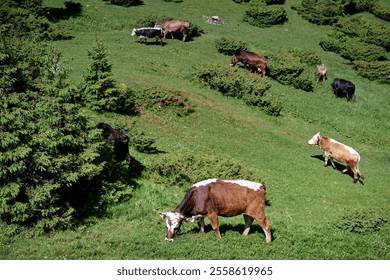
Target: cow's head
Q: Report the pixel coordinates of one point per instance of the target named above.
(315, 139)
(173, 222)
(133, 32)
(234, 60)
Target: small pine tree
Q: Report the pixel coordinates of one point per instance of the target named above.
(100, 89)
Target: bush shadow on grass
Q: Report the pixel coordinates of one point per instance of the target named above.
(340, 167)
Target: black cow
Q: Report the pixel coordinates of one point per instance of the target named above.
(148, 32)
(344, 88)
(119, 139)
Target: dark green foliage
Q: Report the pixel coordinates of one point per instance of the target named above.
(241, 1)
(370, 32)
(231, 82)
(358, 6)
(362, 220)
(51, 168)
(125, 3)
(352, 48)
(321, 11)
(381, 12)
(230, 45)
(374, 70)
(265, 16)
(184, 169)
(159, 97)
(143, 143)
(288, 67)
(23, 24)
(100, 89)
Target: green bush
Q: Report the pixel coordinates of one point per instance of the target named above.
(157, 97)
(381, 12)
(361, 220)
(185, 169)
(352, 48)
(321, 12)
(374, 70)
(233, 83)
(230, 45)
(358, 6)
(288, 67)
(265, 16)
(369, 31)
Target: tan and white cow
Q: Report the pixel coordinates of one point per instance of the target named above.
(340, 152)
(321, 72)
(220, 197)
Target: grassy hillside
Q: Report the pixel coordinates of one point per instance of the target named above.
(316, 212)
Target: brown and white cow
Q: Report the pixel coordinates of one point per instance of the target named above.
(251, 58)
(172, 26)
(340, 152)
(220, 197)
(321, 72)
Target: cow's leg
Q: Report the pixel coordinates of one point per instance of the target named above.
(355, 172)
(248, 224)
(201, 225)
(184, 36)
(326, 159)
(213, 217)
(331, 161)
(266, 226)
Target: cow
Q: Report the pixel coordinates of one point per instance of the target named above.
(321, 72)
(148, 32)
(251, 58)
(220, 197)
(119, 139)
(172, 26)
(340, 152)
(343, 88)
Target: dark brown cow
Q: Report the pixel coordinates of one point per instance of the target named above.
(119, 139)
(251, 58)
(172, 26)
(340, 152)
(220, 197)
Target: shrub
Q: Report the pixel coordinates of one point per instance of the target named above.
(156, 97)
(321, 12)
(184, 169)
(381, 12)
(265, 16)
(352, 48)
(374, 70)
(230, 45)
(288, 67)
(361, 220)
(358, 6)
(370, 32)
(239, 85)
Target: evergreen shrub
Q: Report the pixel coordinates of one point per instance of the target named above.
(230, 45)
(373, 70)
(125, 3)
(265, 16)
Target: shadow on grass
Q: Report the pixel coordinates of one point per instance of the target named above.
(340, 167)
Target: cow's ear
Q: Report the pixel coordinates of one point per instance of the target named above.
(163, 215)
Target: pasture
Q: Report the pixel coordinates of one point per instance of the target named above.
(316, 212)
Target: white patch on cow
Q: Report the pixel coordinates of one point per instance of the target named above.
(172, 220)
(245, 183)
(204, 183)
(314, 139)
(348, 148)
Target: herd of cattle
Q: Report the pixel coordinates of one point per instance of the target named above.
(222, 197)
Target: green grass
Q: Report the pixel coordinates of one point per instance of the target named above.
(306, 200)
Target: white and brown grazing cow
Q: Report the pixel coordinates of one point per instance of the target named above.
(172, 26)
(220, 197)
(340, 152)
(321, 72)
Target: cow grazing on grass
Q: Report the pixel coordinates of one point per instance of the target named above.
(251, 58)
(119, 139)
(219, 197)
(340, 152)
(344, 88)
(148, 32)
(173, 26)
(321, 72)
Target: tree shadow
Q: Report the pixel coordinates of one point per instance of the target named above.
(71, 9)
